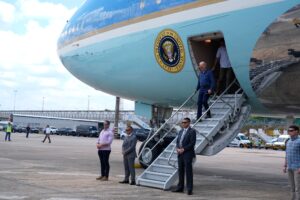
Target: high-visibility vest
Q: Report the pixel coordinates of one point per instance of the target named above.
(9, 128)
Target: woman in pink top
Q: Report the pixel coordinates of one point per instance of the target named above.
(104, 148)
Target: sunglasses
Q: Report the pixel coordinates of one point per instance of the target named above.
(291, 130)
(184, 122)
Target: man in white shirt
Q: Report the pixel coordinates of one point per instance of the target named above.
(226, 72)
(47, 134)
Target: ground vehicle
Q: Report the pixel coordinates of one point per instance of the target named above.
(269, 145)
(53, 129)
(140, 133)
(280, 143)
(241, 141)
(34, 130)
(20, 129)
(65, 131)
(3, 125)
(87, 131)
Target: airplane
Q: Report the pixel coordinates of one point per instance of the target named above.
(148, 51)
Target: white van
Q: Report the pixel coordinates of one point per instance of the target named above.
(281, 141)
(241, 141)
(3, 125)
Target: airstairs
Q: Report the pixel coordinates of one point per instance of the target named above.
(229, 113)
(261, 134)
(137, 121)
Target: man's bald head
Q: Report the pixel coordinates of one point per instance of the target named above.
(202, 65)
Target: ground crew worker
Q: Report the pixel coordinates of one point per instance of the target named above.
(8, 131)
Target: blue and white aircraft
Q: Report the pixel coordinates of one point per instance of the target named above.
(148, 50)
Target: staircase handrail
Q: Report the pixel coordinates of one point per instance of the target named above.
(164, 124)
(215, 101)
(198, 120)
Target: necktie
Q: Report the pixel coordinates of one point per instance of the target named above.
(182, 136)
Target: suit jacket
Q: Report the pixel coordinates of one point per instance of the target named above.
(188, 143)
(129, 144)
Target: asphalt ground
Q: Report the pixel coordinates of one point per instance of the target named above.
(66, 170)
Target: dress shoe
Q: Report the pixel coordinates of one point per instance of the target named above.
(124, 182)
(177, 190)
(99, 178)
(132, 183)
(208, 115)
(104, 178)
(189, 193)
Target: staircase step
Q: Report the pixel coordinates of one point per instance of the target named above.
(164, 161)
(167, 154)
(151, 183)
(228, 100)
(232, 95)
(221, 104)
(156, 176)
(201, 125)
(167, 169)
(219, 110)
(203, 132)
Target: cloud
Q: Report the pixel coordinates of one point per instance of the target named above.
(46, 10)
(30, 65)
(7, 12)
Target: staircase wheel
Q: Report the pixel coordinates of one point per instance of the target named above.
(148, 155)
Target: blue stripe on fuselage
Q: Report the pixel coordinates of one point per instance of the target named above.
(97, 14)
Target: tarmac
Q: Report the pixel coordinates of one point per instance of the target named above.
(66, 170)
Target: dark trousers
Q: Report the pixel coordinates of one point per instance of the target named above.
(104, 162)
(47, 136)
(7, 136)
(226, 74)
(129, 167)
(27, 134)
(185, 162)
(202, 101)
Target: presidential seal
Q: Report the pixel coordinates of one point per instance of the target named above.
(169, 51)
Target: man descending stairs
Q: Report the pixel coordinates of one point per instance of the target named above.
(213, 134)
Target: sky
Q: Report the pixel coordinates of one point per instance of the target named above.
(31, 74)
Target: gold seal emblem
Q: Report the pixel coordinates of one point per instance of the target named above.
(169, 51)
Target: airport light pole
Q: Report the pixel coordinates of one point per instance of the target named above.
(117, 115)
(88, 107)
(43, 103)
(15, 95)
(88, 103)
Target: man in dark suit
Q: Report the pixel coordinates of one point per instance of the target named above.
(129, 154)
(185, 144)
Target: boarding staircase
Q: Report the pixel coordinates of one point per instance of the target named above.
(261, 134)
(229, 113)
(137, 121)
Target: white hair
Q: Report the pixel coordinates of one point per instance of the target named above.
(202, 63)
